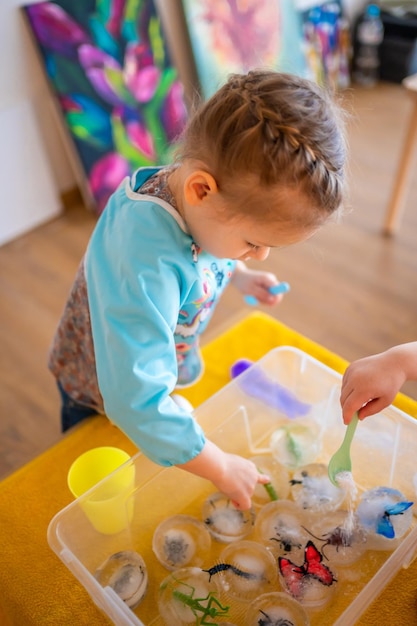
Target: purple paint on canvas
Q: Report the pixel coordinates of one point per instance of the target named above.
(56, 30)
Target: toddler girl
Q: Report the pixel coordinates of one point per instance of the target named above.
(260, 166)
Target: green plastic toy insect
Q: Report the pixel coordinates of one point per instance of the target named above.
(269, 488)
(212, 609)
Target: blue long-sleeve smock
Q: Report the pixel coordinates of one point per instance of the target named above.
(150, 292)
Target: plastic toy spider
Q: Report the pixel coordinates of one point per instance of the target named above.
(269, 622)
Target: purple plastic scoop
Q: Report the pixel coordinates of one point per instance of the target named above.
(256, 384)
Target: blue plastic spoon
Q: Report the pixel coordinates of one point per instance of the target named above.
(274, 290)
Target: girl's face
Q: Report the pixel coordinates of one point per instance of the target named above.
(243, 237)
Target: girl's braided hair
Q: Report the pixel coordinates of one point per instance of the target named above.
(283, 129)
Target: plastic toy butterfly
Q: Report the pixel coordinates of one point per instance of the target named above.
(384, 525)
(295, 575)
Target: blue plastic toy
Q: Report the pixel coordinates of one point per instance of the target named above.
(274, 290)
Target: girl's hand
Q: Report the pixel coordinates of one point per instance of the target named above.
(256, 283)
(231, 474)
(239, 480)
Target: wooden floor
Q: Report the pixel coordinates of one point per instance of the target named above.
(352, 289)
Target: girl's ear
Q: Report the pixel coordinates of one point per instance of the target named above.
(198, 186)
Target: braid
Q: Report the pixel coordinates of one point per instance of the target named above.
(282, 128)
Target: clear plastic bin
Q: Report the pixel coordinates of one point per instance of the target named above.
(240, 418)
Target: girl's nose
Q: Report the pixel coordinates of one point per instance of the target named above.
(260, 254)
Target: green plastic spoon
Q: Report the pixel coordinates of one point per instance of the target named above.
(340, 461)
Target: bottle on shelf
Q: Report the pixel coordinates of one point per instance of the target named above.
(367, 40)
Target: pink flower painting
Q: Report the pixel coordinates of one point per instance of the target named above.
(120, 96)
(236, 35)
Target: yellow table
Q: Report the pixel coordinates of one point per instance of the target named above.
(36, 587)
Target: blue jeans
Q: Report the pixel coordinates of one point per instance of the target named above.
(72, 412)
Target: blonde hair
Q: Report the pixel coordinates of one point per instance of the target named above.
(283, 129)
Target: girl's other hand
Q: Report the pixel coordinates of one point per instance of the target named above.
(371, 384)
(256, 284)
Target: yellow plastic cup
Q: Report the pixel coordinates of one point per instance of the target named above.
(109, 507)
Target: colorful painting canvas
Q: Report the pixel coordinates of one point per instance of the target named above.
(120, 96)
(237, 35)
(327, 44)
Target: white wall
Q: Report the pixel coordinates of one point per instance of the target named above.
(34, 167)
